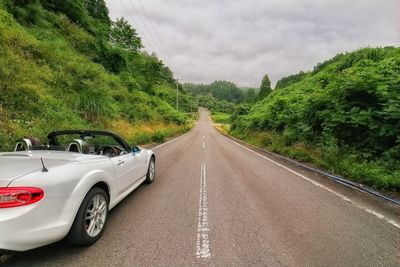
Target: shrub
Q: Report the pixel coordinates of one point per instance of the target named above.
(159, 137)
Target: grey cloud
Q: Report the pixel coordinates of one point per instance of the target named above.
(242, 40)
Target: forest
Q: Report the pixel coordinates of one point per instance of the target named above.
(221, 96)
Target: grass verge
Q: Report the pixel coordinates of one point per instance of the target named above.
(222, 118)
(376, 174)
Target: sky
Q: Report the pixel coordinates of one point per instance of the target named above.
(241, 40)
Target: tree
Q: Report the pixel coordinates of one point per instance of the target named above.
(225, 90)
(123, 35)
(98, 10)
(291, 79)
(250, 95)
(222, 90)
(75, 10)
(265, 88)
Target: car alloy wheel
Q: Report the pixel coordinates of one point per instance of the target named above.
(91, 218)
(152, 170)
(96, 215)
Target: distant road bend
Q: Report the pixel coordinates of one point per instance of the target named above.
(218, 203)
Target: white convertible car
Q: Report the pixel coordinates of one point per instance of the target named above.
(66, 187)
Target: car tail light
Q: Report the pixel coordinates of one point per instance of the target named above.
(19, 196)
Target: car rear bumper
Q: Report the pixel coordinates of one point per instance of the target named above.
(36, 225)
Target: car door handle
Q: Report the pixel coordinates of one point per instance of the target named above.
(121, 162)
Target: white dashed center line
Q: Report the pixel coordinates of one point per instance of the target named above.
(203, 242)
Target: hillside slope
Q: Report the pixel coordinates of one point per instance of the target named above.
(59, 70)
(344, 116)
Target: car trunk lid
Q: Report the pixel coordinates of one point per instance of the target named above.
(15, 165)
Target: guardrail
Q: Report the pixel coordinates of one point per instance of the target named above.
(335, 178)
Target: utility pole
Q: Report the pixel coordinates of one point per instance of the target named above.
(177, 94)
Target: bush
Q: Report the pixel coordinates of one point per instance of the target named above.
(159, 137)
(221, 117)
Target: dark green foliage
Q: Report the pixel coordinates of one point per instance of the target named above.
(221, 96)
(265, 88)
(75, 10)
(159, 137)
(27, 12)
(348, 108)
(215, 105)
(123, 35)
(286, 81)
(92, 15)
(113, 59)
(225, 90)
(97, 9)
(240, 110)
(222, 90)
(250, 94)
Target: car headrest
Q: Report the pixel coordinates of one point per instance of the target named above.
(74, 147)
(27, 144)
(24, 145)
(79, 146)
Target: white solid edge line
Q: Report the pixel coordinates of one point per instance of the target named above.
(377, 214)
(174, 139)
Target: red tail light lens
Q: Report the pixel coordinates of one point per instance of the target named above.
(19, 196)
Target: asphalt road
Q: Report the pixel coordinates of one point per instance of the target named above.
(217, 203)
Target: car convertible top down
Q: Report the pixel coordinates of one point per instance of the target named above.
(65, 187)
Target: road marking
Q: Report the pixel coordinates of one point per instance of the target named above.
(203, 243)
(354, 203)
(204, 145)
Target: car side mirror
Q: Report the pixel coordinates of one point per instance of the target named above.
(135, 149)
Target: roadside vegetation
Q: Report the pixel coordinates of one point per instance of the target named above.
(222, 118)
(66, 65)
(343, 116)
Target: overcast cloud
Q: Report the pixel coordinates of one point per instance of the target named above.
(241, 40)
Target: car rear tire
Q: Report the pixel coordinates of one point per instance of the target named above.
(91, 218)
(151, 171)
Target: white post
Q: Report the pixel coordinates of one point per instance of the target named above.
(177, 94)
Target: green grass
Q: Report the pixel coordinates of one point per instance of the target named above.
(219, 117)
(158, 136)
